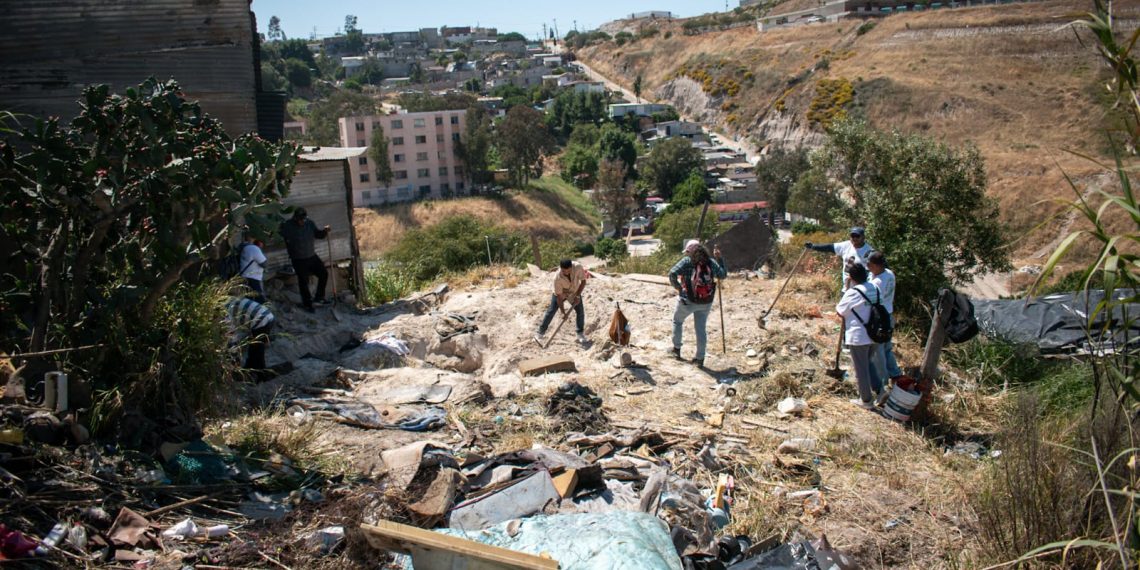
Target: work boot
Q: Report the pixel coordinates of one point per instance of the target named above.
(676, 353)
(308, 308)
(322, 302)
(700, 362)
(865, 405)
(538, 335)
(582, 339)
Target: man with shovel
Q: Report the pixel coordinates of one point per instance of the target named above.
(300, 235)
(569, 282)
(694, 277)
(854, 250)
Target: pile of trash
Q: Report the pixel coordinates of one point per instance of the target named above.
(613, 501)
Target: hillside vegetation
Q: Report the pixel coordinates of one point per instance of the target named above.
(1012, 79)
(549, 209)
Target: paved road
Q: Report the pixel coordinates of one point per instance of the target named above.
(643, 247)
(723, 139)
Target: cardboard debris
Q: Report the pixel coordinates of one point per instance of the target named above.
(566, 483)
(438, 498)
(404, 462)
(526, 497)
(537, 366)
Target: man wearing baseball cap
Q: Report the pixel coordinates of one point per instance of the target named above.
(854, 250)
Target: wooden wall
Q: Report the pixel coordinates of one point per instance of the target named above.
(51, 49)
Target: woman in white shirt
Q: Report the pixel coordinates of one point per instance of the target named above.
(855, 309)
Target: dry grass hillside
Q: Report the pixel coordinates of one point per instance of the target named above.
(1012, 79)
(549, 209)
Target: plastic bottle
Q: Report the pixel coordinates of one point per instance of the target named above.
(57, 533)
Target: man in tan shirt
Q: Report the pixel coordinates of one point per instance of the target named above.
(569, 282)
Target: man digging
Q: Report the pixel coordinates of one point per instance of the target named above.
(569, 282)
(694, 277)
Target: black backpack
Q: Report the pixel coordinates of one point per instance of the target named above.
(230, 265)
(878, 325)
(961, 325)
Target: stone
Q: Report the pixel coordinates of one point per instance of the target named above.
(537, 366)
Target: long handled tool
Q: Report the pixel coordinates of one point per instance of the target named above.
(332, 277)
(837, 372)
(565, 316)
(762, 321)
(720, 302)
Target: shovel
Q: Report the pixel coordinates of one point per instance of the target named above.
(332, 278)
(762, 321)
(837, 372)
(565, 315)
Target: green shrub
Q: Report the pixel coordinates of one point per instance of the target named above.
(802, 227)
(386, 282)
(674, 228)
(657, 264)
(865, 27)
(611, 249)
(554, 251)
(456, 243)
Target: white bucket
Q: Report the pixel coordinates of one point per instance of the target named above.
(901, 404)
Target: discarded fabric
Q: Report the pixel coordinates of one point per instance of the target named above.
(615, 540)
(390, 342)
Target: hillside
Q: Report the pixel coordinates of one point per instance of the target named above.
(549, 209)
(1012, 79)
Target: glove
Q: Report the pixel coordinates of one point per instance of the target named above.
(807, 245)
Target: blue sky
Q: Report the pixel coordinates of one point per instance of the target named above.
(300, 18)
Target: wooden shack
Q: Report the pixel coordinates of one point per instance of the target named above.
(323, 186)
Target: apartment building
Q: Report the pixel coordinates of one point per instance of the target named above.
(421, 151)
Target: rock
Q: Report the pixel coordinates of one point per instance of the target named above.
(751, 353)
(505, 385)
(463, 353)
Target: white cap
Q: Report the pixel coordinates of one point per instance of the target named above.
(691, 246)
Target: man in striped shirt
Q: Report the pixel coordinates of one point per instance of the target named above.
(244, 315)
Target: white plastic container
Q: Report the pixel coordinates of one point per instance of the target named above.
(901, 403)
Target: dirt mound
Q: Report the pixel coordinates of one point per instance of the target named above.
(577, 408)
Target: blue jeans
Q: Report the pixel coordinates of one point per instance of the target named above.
(885, 361)
(700, 315)
(579, 317)
(255, 286)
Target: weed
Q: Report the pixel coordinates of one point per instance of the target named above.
(385, 282)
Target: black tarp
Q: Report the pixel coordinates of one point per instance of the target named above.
(1060, 323)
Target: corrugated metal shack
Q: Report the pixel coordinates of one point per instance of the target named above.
(322, 185)
(51, 49)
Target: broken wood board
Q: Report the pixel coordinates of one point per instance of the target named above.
(433, 550)
(538, 366)
(755, 423)
(643, 278)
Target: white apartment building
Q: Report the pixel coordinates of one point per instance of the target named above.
(421, 151)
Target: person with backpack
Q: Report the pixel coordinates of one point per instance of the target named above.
(852, 252)
(253, 266)
(861, 308)
(884, 279)
(569, 282)
(300, 235)
(694, 277)
(248, 317)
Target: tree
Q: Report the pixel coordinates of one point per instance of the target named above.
(370, 72)
(354, 37)
(924, 205)
(669, 163)
(614, 144)
(297, 49)
(570, 109)
(523, 140)
(584, 134)
(275, 34)
(674, 228)
(271, 79)
(614, 196)
(637, 84)
(474, 146)
(776, 175)
(378, 154)
(111, 212)
(691, 192)
(324, 114)
(579, 165)
(298, 74)
(814, 196)
(416, 73)
(512, 37)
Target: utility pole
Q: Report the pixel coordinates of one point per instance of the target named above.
(544, 33)
(556, 28)
(575, 25)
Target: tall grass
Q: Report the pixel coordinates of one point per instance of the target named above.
(385, 282)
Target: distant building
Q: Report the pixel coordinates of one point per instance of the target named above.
(653, 14)
(639, 109)
(421, 152)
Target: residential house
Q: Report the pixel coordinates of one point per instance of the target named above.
(421, 153)
(587, 87)
(639, 109)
